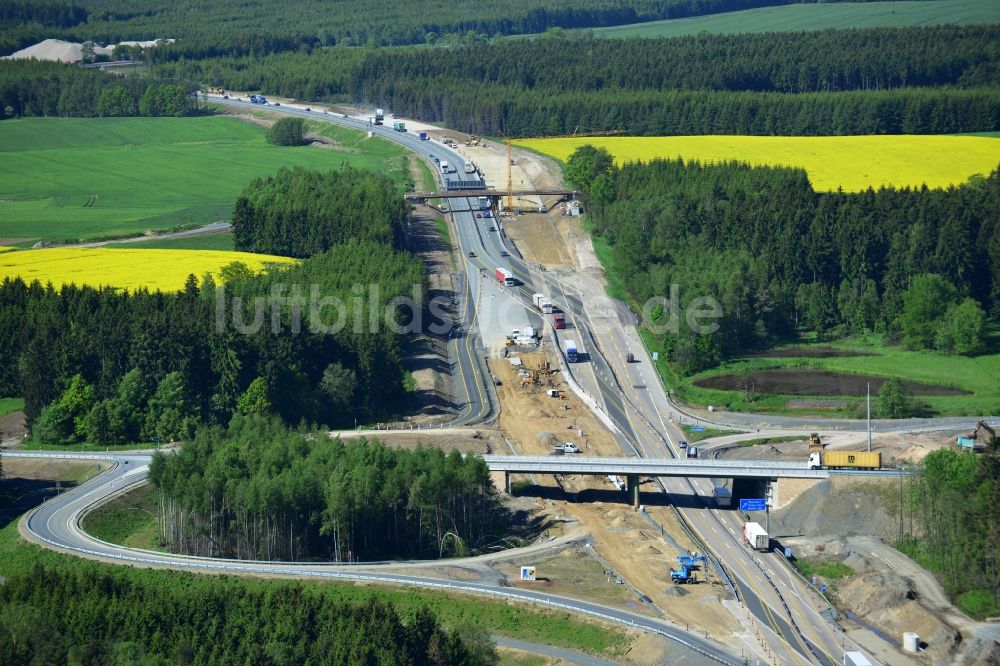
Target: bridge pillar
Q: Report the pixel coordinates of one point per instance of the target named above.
(506, 482)
(632, 488)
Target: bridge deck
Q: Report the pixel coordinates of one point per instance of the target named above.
(747, 469)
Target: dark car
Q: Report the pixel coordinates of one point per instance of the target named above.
(472, 253)
(504, 253)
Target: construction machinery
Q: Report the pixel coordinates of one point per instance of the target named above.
(510, 155)
(689, 565)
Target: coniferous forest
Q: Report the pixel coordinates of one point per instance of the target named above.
(260, 491)
(89, 616)
(780, 257)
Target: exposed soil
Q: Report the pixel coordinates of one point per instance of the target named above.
(12, 428)
(811, 352)
(629, 544)
(15, 241)
(808, 381)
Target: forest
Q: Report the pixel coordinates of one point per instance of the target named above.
(953, 499)
(94, 617)
(299, 213)
(879, 81)
(260, 491)
(781, 258)
(339, 22)
(37, 88)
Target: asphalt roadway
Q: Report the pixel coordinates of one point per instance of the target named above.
(56, 523)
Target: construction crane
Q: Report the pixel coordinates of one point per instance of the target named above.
(510, 153)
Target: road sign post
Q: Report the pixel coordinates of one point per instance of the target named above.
(753, 504)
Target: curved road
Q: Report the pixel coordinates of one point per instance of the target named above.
(56, 523)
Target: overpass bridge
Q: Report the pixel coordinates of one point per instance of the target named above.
(633, 468)
(422, 197)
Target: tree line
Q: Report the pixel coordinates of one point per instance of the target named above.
(106, 366)
(299, 213)
(261, 491)
(347, 24)
(780, 258)
(93, 616)
(37, 88)
(877, 81)
(953, 498)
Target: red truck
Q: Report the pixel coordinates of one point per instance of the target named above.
(504, 276)
(558, 320)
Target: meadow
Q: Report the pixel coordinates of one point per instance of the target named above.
(975, 374)
(71, 179)
(853, 163)
(128, 269)
(818, 16)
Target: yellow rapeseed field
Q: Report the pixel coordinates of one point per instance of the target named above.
(128, 269)
(853, 163)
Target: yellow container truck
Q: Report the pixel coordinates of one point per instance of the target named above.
(845, 459)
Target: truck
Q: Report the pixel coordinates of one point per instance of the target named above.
(558, 320)
(571, 353)
(398, 126)
(422, 136)
(567, 447)
(755, 535)
(692, 452)
(484, 203)
(845, 459)
(379, 117)
(444, 167)
(856, 659)
(258, 99)
(469, 167)
(542, 303)
(723, 497)
(504, 276)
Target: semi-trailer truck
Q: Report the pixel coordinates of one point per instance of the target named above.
(571, 353)
(755, 535)
(504, 276)
(258, 99)
(379, 116)
(422, 136)
(542, 303)
(484, 203)
(845, 459)
(399, 126)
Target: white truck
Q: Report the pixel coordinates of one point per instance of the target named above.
(567, 447)
(756, 537)
(469, 167)
(444, 167)
(856, 659)
(542, 302)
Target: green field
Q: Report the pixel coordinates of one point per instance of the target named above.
(68, 178)
(980, 375)
(819, 16)
(223, 241)
(8, 405)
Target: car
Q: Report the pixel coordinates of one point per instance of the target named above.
(472, 253)
(436, 160)
(225, 97)
(630, 357)
(504, 253)
(493, 228)
(479, 215)
(308, 109)
(324, 110)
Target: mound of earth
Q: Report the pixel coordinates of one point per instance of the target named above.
(813, 381)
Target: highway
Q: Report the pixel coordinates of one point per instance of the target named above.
(631, 396)
(57, 524)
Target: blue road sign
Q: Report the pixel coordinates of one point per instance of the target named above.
(753, 504)
(697, 428)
